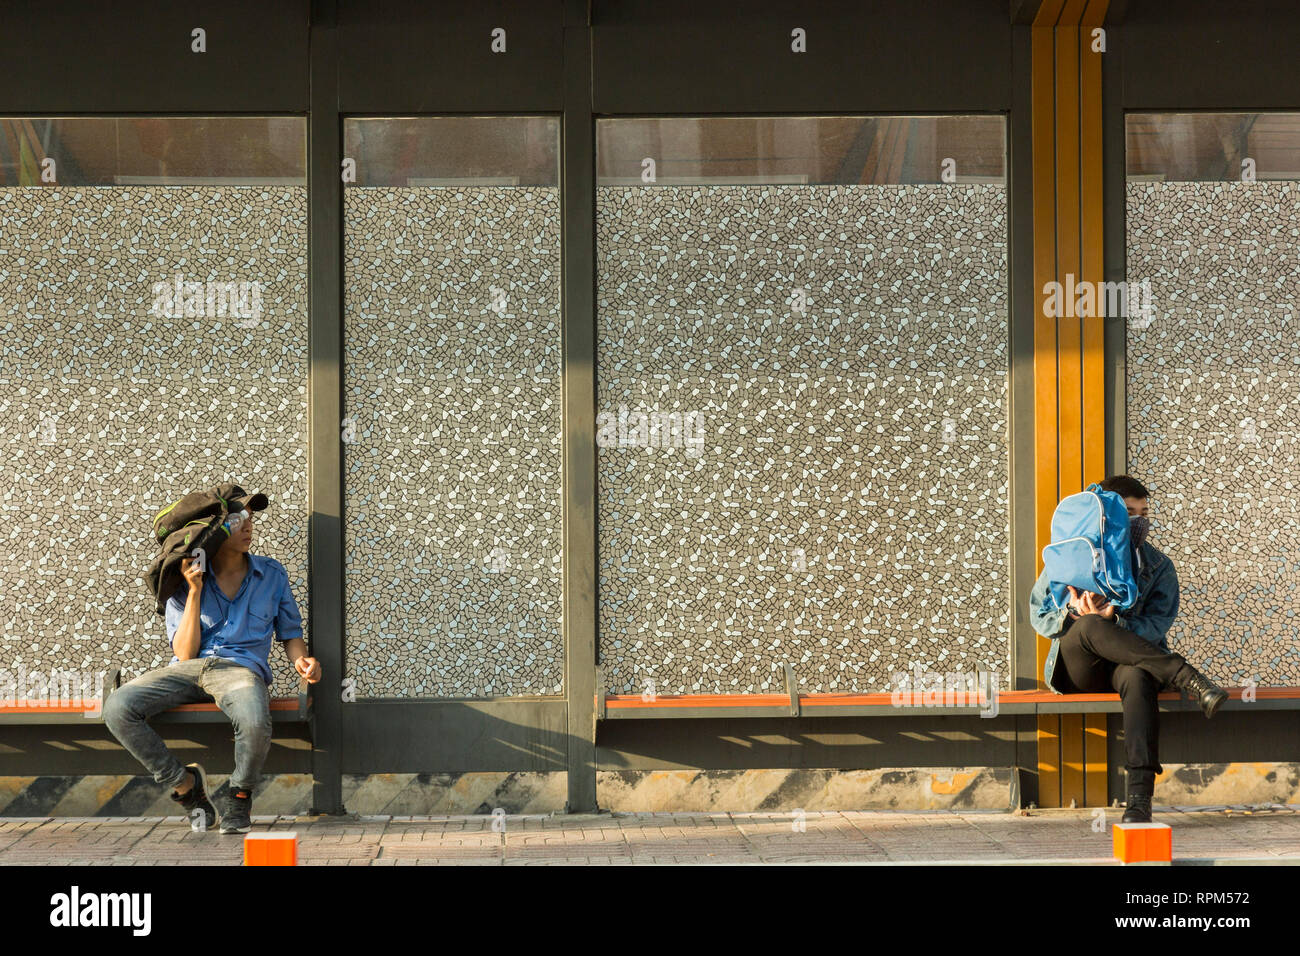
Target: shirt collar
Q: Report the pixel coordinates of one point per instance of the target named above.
(256, 565)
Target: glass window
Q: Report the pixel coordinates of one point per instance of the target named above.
(1213, 229)
(452, 438)
(801, 401)
(153, 342)
(154, 150)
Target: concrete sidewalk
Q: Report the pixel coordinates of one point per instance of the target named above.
(1261, 835)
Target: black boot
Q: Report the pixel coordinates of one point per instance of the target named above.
(1139, 788)
(1139, 808)
(1201, 689)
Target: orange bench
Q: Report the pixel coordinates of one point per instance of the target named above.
(18, 711)
(792, 703)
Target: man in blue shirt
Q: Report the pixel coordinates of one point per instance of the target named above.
(1098, 650)
(220, 625)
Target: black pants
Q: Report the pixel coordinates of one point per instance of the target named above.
(1098, 656)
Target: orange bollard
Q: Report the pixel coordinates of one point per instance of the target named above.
(271, 849)
(1144, 843)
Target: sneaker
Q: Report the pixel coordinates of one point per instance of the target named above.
(197, 798)
(236, 819)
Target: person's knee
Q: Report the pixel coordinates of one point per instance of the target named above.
(1077, 633)
(251, 718)
(1089, 624)
(118, 711)
(1091, 631)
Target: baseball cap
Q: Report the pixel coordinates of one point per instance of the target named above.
(237, 498)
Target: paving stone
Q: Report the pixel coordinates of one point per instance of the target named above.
(700, 839)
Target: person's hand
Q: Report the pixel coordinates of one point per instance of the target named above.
(1094, 603)
(193, 574)
(1090, 602)
(309, 668)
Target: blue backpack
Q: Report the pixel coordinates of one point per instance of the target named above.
(1090, 548)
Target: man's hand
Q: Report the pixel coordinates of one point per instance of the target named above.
(193, 575)
(309, 668)
(1090, 602)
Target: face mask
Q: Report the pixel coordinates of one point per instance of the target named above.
(1137, 530)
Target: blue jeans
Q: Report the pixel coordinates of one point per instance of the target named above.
(241, 694)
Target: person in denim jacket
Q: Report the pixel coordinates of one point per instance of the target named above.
(1096, 649)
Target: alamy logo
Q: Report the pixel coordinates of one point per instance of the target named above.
(103, 909)
(56, 689)
(181, 299)
(926, 688)
(1084, 300)
(651, 429)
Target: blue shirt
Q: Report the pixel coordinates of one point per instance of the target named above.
(240, 629)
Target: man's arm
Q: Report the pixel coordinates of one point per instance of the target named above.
(184, 628)
(288, 620)
(295, 648)
(1159, 611)
(288, 630)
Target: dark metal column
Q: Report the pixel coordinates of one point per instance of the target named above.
(578, 194)
(325, 398)
(1020, 268)
(1114, 200)
(1114, 181)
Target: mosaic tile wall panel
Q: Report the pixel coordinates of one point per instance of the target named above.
(452, 441)
(1213, 402)
(840, 501)
(109, 409)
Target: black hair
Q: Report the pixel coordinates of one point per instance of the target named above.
(1125, 487)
